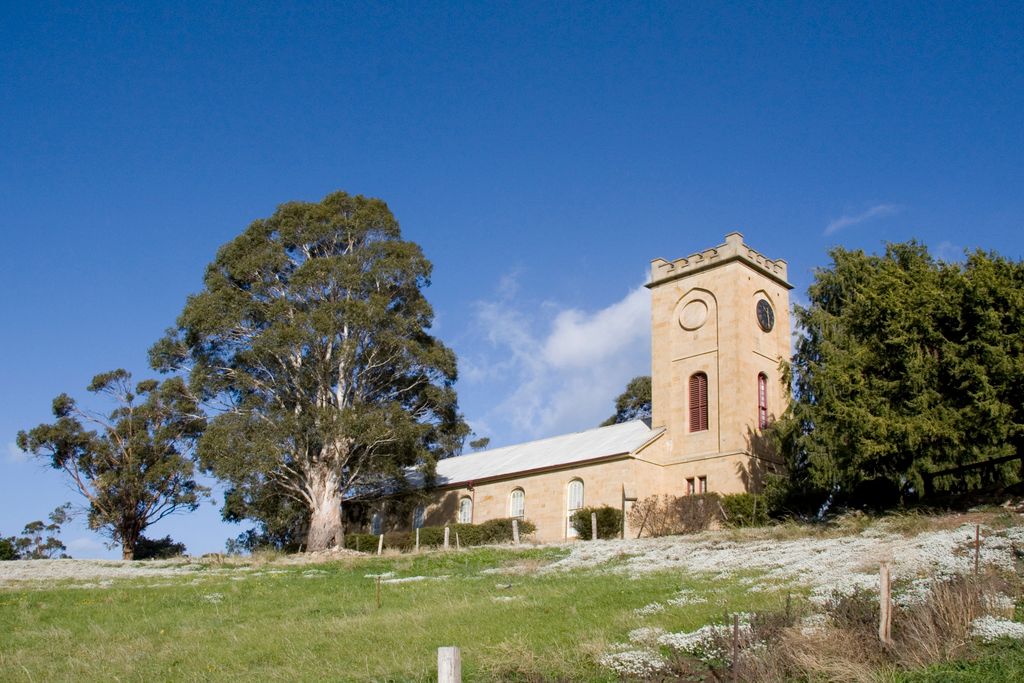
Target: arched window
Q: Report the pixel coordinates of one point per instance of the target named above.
(698, 402)
(517, 504)
(466, 510)
(417, 517)
(376, 522)
(762, 400)
(574, 501)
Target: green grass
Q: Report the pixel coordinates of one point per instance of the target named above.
(999, 662)
(305, 625)
(273, 620)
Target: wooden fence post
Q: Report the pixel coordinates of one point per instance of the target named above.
(977, 547)
(380, 544)
(884, 604)
(458, 544)
(447, 533)
(593, 526)
(515, 531)
(417, 539)
(449, 665)
(378, 592)
(735, 646)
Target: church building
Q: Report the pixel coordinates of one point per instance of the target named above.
(719, 330)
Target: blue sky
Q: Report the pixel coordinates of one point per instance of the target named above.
(541, 153)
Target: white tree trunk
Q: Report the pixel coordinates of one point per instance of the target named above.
(325, 515)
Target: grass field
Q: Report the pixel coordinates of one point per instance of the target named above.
(277, 619)
(321, 622)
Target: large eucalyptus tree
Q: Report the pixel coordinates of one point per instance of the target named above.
(311, 343)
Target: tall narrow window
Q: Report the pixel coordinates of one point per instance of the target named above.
(574, 501)
(698, 402)
(376, 522)
(762, 400)
(702, 484)
(691, 486)
(466, 510)
(517, 504)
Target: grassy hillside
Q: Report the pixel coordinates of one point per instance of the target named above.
(321, 621)
(279, 620)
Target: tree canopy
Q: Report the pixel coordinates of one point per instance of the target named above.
(634, 403)
(136, 467)
(38, 540)
(905, 366)
(311, 339)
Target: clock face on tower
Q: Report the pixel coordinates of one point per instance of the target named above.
(765, 315)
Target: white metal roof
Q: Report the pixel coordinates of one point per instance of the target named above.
(557, 450)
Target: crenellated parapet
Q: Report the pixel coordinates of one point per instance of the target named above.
(733, 249)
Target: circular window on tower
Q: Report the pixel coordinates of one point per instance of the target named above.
(693, 315)
(765, 315)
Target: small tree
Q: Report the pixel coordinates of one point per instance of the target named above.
(664, 515)
(634, 403)
(38, 540)
(480, 444)
(158, 548)
(609, 522)
(135, 468)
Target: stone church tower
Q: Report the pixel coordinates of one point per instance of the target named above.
(720, 328)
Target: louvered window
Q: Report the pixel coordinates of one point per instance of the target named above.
(698, 402)
(762, 400)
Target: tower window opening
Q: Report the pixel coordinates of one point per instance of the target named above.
(762, 401)
(698, 402)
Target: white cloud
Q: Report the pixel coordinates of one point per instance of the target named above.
(949, 252)
(580, 339)
(564, 377)
(15, 454)
(84, 546)
(876, 211)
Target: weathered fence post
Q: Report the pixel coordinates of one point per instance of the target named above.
(447, 533)
(417, 540)
(593, 526)
(380, 544)
(449, 665)
(735, 646)
(378, 592)
(977, 547)
(884, 604)
(458, 544)
(515, 531)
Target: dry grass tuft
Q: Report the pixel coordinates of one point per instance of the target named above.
(843, 645)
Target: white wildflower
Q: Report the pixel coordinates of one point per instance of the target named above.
(813, 624)
(652, 608)
(646, 635)
(405, 579)
(990, 628)
(999, 602)
(633, 662)
(214, 598)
